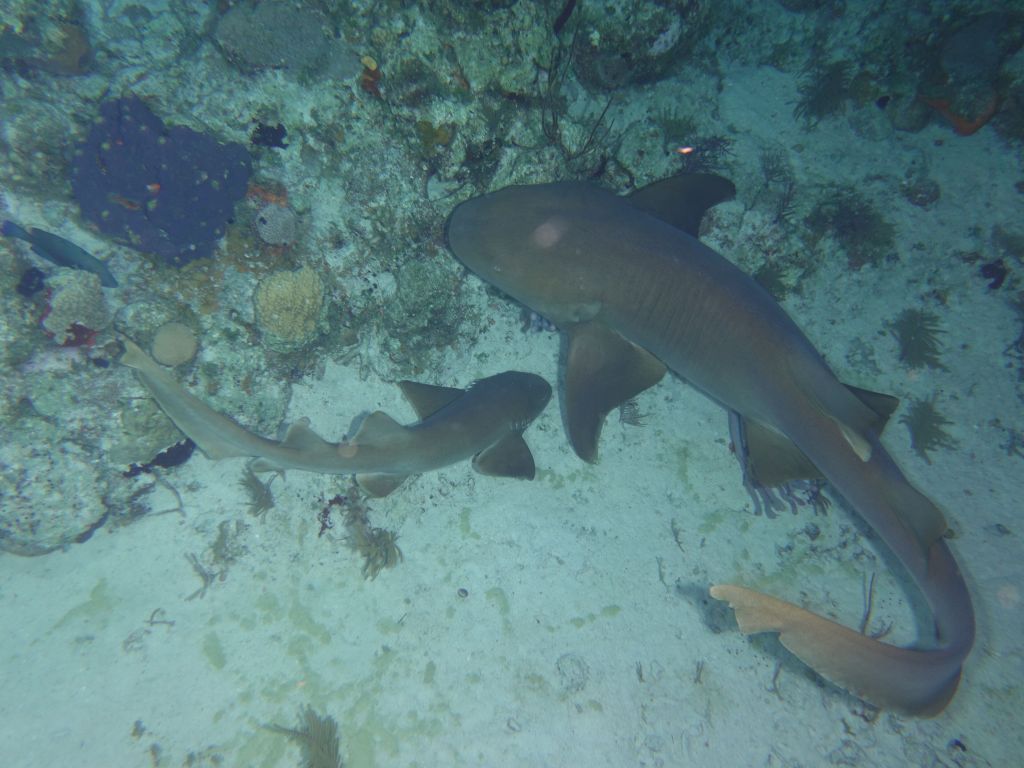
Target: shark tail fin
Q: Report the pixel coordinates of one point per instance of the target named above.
(918, 682)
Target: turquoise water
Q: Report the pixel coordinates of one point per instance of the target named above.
(273, 215)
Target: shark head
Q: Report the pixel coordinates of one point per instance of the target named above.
(525, 240)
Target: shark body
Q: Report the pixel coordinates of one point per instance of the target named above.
(484, 422)
(635, 290)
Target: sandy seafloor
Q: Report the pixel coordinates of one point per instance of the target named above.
(586, 637)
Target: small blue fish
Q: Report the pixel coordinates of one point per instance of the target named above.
(61, 252)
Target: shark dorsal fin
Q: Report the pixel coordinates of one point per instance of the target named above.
(300, 437)
(427, 399)
(682, 200)
(378, 429)
(509, 457)
(602, 371)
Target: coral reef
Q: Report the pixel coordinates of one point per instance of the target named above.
(76, 307)
(966, 83)
(427, 313)
(619, 44)
(295, 37)
(290, 308)
(917, 333)
(166, 190)
(927, 428)
(276, 224)
(174, 344)
(52, 37)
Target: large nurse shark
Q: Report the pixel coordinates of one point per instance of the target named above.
(626, 278)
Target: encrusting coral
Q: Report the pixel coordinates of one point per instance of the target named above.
(76, 305)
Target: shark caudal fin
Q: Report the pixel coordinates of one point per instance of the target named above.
(916, 682)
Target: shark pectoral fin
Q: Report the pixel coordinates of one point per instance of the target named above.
(427, 399)
(602, 371)
(379, 484)
(772, 458)
(509, 457)
(918, 682)
(682, 200)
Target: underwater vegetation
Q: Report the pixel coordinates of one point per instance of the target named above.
(261, 499)
(823, 92)
(854, 223)
(675, 128)
(771, 276)
(779, 184)
(707, 153)
(378, 546)
(917, 333)
(317, 736)
(927, 428)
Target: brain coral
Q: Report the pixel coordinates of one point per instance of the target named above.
(290, 308)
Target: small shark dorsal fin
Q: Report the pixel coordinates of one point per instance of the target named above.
(378, 428)
(379, 484)
(427, 399)
(602, 371)
(301, 438)
(682, 200)
(509, 457)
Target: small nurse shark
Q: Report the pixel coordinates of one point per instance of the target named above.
(485, 422)
(627, 280)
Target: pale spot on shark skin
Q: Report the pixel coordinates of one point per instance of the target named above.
(549, 233)
(1008, 596)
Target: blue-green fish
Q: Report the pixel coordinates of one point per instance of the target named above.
(61, 252)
